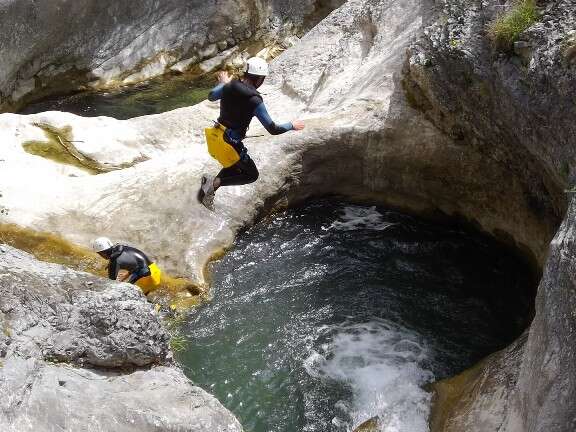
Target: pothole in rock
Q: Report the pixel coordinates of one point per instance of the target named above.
(330, 314)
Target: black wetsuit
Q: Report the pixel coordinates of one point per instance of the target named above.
(240, 102)
(131, 259)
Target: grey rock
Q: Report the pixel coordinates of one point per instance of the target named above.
(209, 52)
(108, 326)
(545, 395)
(93, 357)
(519, 112)
(101, 42)
(51, 398)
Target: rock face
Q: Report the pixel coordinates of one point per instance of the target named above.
(59, 45)
(544, 399)
(514, 110)
(82, 353)
(517, 108)
(342, 103)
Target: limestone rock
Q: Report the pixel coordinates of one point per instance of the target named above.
(53, 320)
(110, 326)
(60, 397)
(126, 204)
(545, 396)
(56, 46)
(448, 129)
(478, 398)
(363, 140)
(520, 111)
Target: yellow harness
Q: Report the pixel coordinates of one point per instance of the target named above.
(218, 148)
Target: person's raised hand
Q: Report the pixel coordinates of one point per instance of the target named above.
(223, 77)
(298, 125)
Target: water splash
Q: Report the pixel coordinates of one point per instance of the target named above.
(357, 218)
(382, 363)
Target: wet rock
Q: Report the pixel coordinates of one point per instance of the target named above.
(448, 129)
(544, 396)
(518, 110)
(66, 348)
(399, 157)
(342, 102)
(477, 399)
(370, 425)
(101, 43)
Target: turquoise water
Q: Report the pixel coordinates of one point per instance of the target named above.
(332, 313)
(151, 97)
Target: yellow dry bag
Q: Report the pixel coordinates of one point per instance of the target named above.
(220, 149)
(150, 283)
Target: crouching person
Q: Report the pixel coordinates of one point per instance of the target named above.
(128, 264)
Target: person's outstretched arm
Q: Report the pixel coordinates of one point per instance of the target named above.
(218, 91)
(274, 129)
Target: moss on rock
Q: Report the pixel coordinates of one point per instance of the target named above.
(506, 29)
(179, 293)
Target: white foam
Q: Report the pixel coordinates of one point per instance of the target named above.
(356, 217)
(381, 363)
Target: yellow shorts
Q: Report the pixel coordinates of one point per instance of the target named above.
(220, 149)
(150, 283)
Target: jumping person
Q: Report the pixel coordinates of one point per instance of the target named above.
(239, 103)
(128, 264)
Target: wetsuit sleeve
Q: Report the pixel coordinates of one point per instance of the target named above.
(216, 93)
(113, 269)
(274, 129)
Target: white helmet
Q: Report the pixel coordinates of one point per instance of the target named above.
(257, 66)
(101, 244)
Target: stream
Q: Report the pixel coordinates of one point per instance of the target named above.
(329, 314)
(154, 96)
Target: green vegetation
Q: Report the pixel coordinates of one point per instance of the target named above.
(178, 343)
(505, 29)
